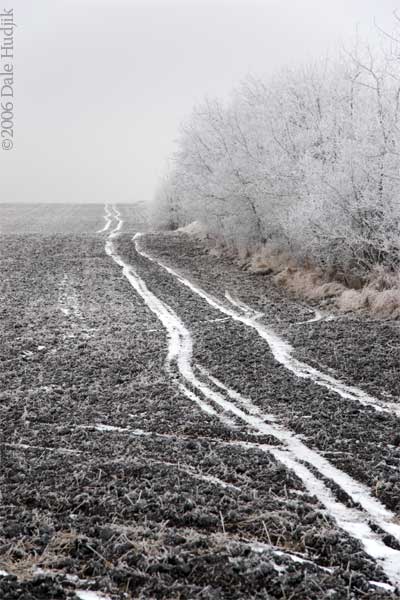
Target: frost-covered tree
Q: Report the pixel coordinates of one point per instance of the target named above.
(308, 160)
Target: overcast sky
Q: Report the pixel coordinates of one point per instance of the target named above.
(102, 85)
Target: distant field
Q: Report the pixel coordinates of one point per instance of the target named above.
(51, 218)
(64, 218)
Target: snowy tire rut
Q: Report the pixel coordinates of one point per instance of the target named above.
(368, 520)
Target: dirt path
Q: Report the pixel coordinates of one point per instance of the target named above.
(362, 524)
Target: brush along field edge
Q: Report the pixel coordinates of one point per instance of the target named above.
(292, 453)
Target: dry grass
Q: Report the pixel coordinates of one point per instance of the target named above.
(309, 284)
(304, 281)
(60, 544)
(380, 295)
(268, 259)
(382, 303)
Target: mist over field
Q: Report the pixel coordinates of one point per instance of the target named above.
(101, 87)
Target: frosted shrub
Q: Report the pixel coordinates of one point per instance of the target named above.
(307, 162)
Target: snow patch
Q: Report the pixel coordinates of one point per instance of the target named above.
(318, 316)
(259, 547)
(384, 586)
(103, 427)
(194, 228)
(88, 595)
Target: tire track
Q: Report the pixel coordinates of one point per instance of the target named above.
(108, 219)
(290, 450)
(281, 350)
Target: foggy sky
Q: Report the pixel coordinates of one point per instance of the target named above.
(102, 85)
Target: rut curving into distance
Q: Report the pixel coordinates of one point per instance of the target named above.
(108, 219)
(281, 350)
(290, 450)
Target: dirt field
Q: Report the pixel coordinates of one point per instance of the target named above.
(172, 427)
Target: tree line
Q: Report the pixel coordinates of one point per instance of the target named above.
(307, 161)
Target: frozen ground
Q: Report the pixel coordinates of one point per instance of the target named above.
(174, 428)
